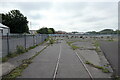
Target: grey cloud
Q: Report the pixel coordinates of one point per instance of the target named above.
(93, 19)
(34, 5)
(37, 16)
(73, 6)
(78, 12)
(29, 6)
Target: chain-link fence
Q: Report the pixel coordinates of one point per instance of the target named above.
(11, 41)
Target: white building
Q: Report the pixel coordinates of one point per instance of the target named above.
(33, 31)
(4, 29)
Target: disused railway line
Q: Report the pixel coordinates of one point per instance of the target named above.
(80, 61)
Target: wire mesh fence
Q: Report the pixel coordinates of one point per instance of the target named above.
(11, 41)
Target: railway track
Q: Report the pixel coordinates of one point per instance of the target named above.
(91, 77)
(57, 65)
(80, 60)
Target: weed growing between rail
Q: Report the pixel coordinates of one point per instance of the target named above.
(72, 46)
(97, 46)
(105, 70)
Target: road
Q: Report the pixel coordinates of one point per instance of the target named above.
(56, 61)
(110, 50)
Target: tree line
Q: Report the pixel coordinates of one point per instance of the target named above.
(105, 31)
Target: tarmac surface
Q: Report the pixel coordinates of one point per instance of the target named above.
(110, 50)
(60, 61)
(44, 65)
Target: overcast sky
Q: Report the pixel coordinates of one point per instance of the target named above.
(67, 16)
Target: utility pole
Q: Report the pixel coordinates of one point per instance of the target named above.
(30, 24)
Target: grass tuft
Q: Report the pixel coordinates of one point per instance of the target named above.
(72, 46)
(17, 71)
(51, 41)
(96, 44)
(20, 49)
(105, 70)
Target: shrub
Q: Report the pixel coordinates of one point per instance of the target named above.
(20, 49)
(51, 41)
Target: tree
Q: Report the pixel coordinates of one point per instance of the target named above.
(53, 31)
(46, 30)
(74, 32)
(43, 30)
(16, 21)
(117, 32)
(93, 32)
(107, 31)
(50, 31)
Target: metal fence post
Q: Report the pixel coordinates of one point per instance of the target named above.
(8, 43)
(33, 40)
(25, 40)
(36, 39)
(41, 38)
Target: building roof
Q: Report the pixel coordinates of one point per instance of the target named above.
(3, 26)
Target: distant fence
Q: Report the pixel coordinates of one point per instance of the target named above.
(11, 41)
(84, 35)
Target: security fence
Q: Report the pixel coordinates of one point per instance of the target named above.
(11, 41)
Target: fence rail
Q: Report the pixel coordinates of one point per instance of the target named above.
(11, 41)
